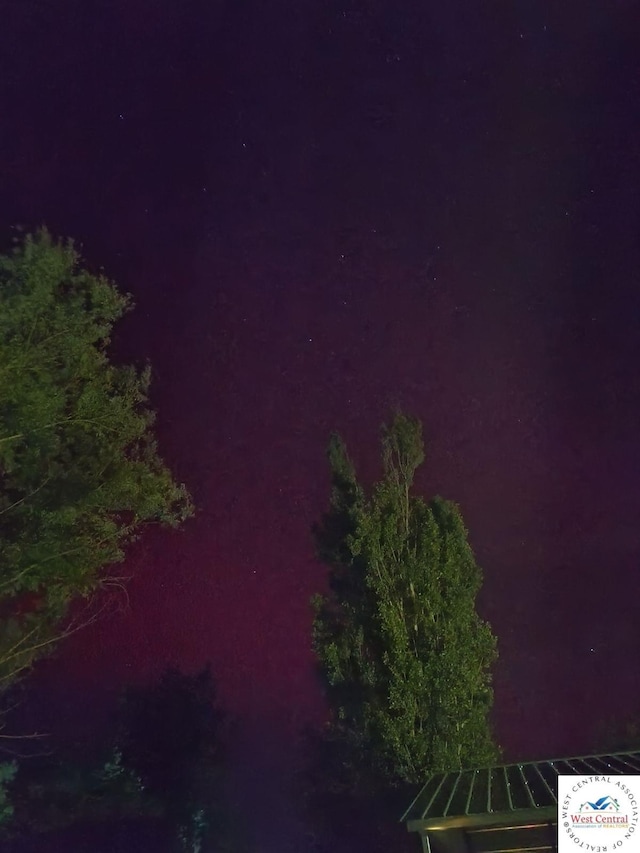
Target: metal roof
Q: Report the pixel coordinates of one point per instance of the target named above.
(509, 794)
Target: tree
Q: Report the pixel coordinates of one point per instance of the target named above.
(7, 773)
(162, 764)
(172, 737)
(80, 473)
(55, 792)
(403, 653)
(617, 734)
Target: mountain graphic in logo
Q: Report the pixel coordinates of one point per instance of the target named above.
(604, 804)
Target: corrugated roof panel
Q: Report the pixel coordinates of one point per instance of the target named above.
(580, 767)
(521, 791)
(550, 776)
(509, 788)
(507, 778)
(441, 798)
(499, 790)
(454, 782)
(420, 805)
(563, 768)
(627, 763)
(479, 794)
(597, 765)
(541, 792)
(460, 797)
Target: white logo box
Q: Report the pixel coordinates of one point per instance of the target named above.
(599, 814)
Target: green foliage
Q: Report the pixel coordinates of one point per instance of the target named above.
(8, 771)
(172, 738)
(114, 770)
(170, 733)
(53, 793)
(618, 735)
(164, 762)
(405, 657)
(79, 468)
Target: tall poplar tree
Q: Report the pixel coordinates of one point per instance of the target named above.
(405, 657)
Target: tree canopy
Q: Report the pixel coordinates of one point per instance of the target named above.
(80, 472)
(405, 658)
(173, 737)
(163, 761)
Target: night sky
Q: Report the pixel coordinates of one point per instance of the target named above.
(325, 210)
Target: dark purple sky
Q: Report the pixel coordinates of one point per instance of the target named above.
(324, 210)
